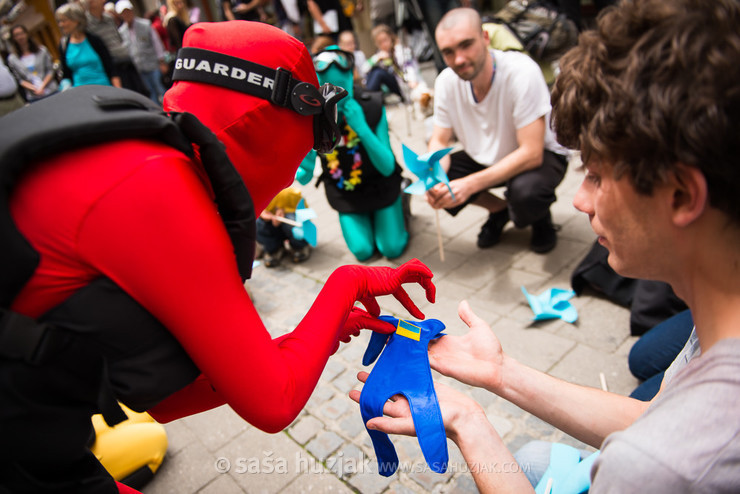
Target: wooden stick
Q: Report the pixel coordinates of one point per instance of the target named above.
(439, 237)
(602, 377)
(283, 219)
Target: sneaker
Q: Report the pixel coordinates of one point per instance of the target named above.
(490, 232)
(272, 259)
(544, 235)
(302, 254)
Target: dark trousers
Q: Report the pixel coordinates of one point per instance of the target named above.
(379, 77)
(45, 415)
(130, 78)
(272, 237)
(656, 350)
(529, 194)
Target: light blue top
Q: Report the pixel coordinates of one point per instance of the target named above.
(86, 65)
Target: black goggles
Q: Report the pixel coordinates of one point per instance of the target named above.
(274, 85)
(324, 59)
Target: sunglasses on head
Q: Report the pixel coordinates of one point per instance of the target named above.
(324, 59)
(275, 85)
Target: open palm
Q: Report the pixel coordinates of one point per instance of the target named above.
(475, 358)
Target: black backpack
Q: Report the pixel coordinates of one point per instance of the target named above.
(73, 119)
(544, 31)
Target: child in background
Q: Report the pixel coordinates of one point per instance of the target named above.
(348, 42)
(272, 234)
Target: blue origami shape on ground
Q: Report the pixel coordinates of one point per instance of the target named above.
(552, 304)
(427, 168)
(307, 230)
(566, 473)
(403, 368)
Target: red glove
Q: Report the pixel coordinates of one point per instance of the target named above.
(360, 319)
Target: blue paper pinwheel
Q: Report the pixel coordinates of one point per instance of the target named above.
(552, 304)
(427, 168)
(305, 230)
(403, 368)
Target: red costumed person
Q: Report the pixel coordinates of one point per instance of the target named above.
(136, 219)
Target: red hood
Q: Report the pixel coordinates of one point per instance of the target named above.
(266, 143)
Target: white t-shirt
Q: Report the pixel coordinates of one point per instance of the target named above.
(487, 129)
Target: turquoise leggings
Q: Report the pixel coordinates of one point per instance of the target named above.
(382, 228)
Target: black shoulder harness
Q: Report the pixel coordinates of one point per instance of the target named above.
(81, 117)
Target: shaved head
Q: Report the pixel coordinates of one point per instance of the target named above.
(459, 18)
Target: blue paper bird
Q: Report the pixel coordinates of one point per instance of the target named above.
(427, 168)
(306, 230)
(552, 304)
(403, 368)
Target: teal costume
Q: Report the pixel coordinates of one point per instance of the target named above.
(361, 177)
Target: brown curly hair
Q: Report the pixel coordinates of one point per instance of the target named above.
(655, 84)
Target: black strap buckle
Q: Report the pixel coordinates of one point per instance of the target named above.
(281, 87)
(21, 337)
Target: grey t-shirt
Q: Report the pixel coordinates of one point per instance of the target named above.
(688, 440)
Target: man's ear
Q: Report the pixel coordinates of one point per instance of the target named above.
(690, 194)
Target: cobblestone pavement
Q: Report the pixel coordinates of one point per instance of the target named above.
(327, 448)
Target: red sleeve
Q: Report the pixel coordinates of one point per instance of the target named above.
(157, 235)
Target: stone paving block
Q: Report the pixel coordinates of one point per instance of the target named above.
(223, 484)
(583, 365)
(427, 479)
(422, 245)
(348, 379)
(324, 444)
(502, 425)
(317, 483)
(336, 407)
(461, 484)
(347, 461)
(353, 351)
(370, 482)
(179, 435)
(516, 442)
(320, 395)
(502, 294)
(217, 426)
(352, 425)
(533, 347)
(564, 253)
(601, 325)
(188, 471)
(333, 369)
(442, 269)
(260, 462)
(482, 269)
(399, 488)
(305, 429)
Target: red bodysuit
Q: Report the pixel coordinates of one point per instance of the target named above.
(142, 214)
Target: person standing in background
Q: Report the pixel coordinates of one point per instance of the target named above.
(32, 65)
(85, 59)
(145, 47)
(10, 100)
(104, 26)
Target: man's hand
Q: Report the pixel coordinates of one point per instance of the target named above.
(475, 358)
(456, 409)
(439, 196)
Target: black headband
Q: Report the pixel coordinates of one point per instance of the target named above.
(275, 85)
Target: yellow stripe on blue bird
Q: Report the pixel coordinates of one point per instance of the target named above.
(408, 330)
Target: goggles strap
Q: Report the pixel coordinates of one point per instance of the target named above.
(210, 67)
